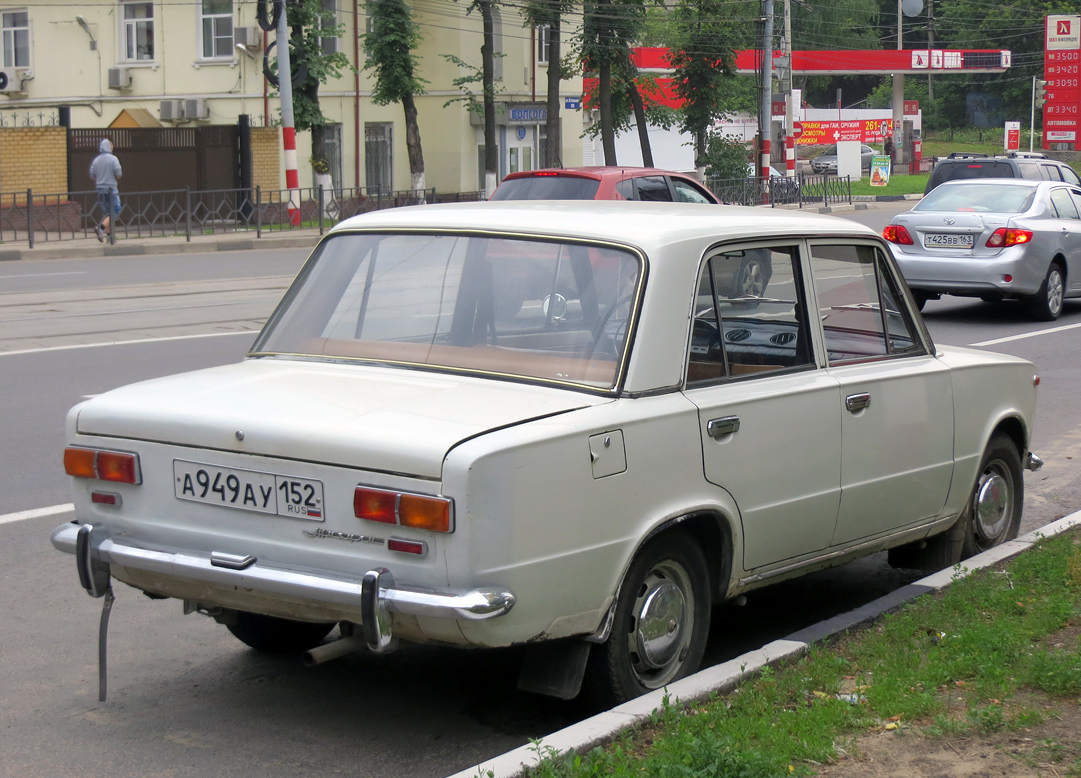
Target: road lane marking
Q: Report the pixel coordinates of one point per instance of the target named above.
(37, 513)
(996, 341)
(126, 342)
(38, 275)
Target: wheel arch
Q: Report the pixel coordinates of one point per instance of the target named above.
(713, 533)
(1013, 428)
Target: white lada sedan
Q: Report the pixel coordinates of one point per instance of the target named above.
(552, 424)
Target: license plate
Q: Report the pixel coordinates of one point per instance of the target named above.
(938, 239)
(249, 490)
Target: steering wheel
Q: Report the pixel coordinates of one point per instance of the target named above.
(615, 336)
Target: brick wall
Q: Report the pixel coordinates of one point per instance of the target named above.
(34, 158)
(265, 166)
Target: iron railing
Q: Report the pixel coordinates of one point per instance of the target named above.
(31, 217)
(805, 190)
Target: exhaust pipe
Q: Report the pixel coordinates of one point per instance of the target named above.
(327, 651)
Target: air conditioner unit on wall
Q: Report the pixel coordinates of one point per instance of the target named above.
(172, 110)
(119, 78)
(249, 37)
(197, 109)
(11, 82)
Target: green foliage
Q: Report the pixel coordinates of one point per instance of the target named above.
(390, 50)
(466, 83)
(726, 157)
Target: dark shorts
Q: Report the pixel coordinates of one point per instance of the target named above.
(103, 200)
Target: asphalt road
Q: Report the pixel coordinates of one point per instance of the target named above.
(186, 699)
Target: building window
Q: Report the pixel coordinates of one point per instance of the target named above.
(331, 44)
(216, 17)
(16, 39)
(138, 34)
(378, 157)
(543, 37)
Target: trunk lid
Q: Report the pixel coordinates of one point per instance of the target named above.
(363, 416)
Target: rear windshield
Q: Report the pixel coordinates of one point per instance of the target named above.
(550, 310)
(547, 188)
(982, 198)
(975, 169)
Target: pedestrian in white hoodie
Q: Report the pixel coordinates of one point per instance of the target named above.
(105, 169)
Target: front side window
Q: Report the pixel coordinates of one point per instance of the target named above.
(748, 316)
(138, 32)
(686, 192)
(860, 312)
(549, 310)
(216, 18)
(16, 39)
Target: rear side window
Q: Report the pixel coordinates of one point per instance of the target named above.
(653, 189)
(547, 188)
(1064, 205)
(1050, 172)
(625, 188)
(1069, 176)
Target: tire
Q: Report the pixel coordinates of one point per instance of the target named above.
(920, 298)
(752, 279)
(991, 516)
(1046, 304)
(660, 625)
(278, 636)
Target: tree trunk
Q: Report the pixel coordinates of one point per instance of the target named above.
(640, 120)
(412, 143)
(608, 138)
(700, 144)
(554, 127)
(487, 55)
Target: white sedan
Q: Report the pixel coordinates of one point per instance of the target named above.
(560, 425)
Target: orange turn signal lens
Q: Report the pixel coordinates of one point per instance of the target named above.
(430, 513)
(375, 505)
(79, 462)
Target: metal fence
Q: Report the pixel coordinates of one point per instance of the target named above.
(29, 217)
(805, 190)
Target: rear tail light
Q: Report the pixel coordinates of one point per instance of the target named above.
(896, 233)
(408, 510)
(117, 466)
(1004, 236)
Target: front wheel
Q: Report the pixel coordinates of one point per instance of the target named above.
(994, 507)
(1046, 305)
(278, 636)
(660, 625)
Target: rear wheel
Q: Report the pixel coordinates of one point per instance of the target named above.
(278, 636)
(991, 516)
(1046, 305)
(660, 625)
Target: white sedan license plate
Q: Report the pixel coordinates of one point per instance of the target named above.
(249, 490)
(939, 239)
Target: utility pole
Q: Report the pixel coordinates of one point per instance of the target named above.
(289, 133)
(898, 98)
(766, 109)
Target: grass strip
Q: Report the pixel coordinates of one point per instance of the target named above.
(947, 664)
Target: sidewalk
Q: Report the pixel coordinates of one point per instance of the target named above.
(89, 247)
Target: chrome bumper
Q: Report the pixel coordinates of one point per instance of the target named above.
(376, 593)
(1032, 462)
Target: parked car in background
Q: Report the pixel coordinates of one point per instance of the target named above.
(966, 165)
(425, 444)
(603, 183)
(994, 239)
(826, 162)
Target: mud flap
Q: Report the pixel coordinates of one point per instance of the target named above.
(555, 668)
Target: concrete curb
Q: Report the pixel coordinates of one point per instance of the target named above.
(606, 726)
(161, 246)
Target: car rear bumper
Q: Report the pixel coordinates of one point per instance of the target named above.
(972, 275)
(367, 601)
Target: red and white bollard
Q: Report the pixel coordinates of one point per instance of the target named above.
(790, 156)
(292, 177)
(765, 169)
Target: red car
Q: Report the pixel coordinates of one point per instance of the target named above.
(603, 183)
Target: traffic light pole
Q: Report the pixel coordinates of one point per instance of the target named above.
(1032, 116)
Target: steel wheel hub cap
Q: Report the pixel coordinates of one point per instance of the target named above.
(660, 625)
(1054, 292)
(992, 505)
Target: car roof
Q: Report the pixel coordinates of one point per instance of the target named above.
(595, 171)
(641, 224)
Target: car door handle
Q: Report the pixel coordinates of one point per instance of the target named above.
(857, 402)
(725, 425)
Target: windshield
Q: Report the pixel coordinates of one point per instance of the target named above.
(547, 187)
(550, 310)
(986, 197)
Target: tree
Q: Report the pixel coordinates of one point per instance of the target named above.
(390, 45)
(549, 14)
(705, 37)
(609, 29)
(309, 24)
